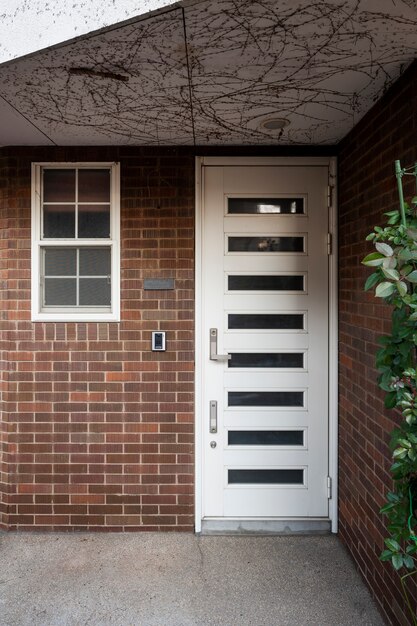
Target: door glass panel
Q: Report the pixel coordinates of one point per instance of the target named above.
(266, 321)
(266, 476)
(262, 206)
(266, 398)
(265, 244)
(258, 282)
(266, 359)
(266, 437)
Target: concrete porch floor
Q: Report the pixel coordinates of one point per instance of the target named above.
(141, 579)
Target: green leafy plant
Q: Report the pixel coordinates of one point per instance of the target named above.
(394, 280)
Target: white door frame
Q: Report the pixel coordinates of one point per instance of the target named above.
(333, 316)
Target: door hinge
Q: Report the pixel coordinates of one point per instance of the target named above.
(329, 243)
(329, 196)
(329, 487)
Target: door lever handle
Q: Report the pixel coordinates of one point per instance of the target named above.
(213, 348)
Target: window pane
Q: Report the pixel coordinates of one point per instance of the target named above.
(58, 221)
(95, 292)
(266, 359)
(94, 185)
(266, 437)
(268, 477)
(60, 292)
(58, 185)
(95, 262)
(93, 221)
(60, 261)
(256, 282)
(266, 398)
(275, 321)
(264, 206)
(266, 244)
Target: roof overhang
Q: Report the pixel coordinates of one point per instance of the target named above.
(211, 72)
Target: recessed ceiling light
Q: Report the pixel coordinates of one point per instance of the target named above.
(274, 123)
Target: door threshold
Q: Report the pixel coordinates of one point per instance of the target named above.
(259, 526)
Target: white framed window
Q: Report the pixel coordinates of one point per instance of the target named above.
(75, 242)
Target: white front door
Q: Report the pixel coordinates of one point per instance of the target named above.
(264, 342)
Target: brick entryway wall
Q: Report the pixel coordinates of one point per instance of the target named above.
(97, 430)
(367, 188)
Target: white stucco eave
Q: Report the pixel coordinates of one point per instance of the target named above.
(209, 72)
(30, 26)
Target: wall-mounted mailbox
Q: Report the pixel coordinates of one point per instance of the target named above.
(158, 341)
(158, 284)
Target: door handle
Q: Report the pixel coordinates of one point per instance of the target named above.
(213, 348)
(213, 416)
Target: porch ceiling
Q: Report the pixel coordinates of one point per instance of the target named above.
(209, 71)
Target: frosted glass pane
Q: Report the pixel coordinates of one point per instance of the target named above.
(265, 206)
(257, 282)
(266, 359)
(58, 185)
(58, 221)
(266, 398)
(265, 244)
(266, 477)
(93, 185)
(60, 261)
(60, 292)
(93, 221)
(274, 321)
(95, 261)
(95, 292)
(266, 437)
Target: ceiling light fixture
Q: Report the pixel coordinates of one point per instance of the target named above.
(274, 123)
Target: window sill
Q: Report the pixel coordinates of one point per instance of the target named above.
(75, 317)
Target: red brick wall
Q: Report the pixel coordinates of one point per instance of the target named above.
(5, 246)
(100, 429)
(367, 189)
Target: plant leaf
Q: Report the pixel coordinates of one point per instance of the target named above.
(384, 290)
(412, 233)
(412, 277)
(386, 555)
(371, 281)
(391, 274)
(408, 561)
(404, 254)
(384, 249)
(402, 287)
(392, 545)
(390, 400)
(374, 259)
(397, 561)
(389, 262)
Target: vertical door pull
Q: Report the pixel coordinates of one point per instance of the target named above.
(213, 416)
(213, 348)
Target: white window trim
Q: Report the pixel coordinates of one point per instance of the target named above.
(37, 242)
